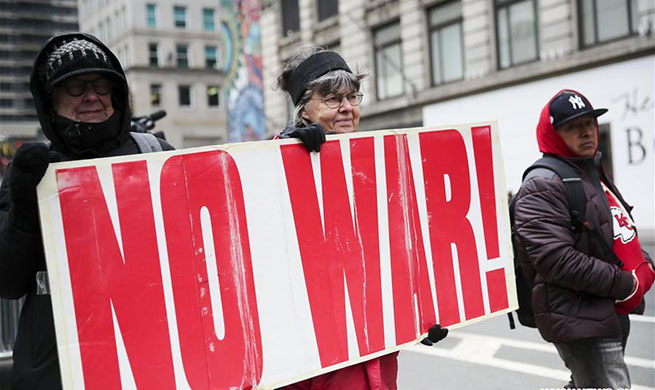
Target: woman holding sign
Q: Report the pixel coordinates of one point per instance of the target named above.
(326, 96)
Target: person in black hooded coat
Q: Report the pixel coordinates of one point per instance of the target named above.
(81, 98)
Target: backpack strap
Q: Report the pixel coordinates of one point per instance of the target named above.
(575, 197)
(146, 142)
(575, 194)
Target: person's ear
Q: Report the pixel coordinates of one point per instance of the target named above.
(305, 115)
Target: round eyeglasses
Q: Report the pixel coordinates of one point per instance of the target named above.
(335, 101)
(77, 87)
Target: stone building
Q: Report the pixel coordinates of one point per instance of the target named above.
(457, 61)
(170, 52)
(24, 28)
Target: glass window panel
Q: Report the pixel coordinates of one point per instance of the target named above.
(612, 19)
(503, 38)
(151, 18)
(634, 15)
(208, 19)
(524, 36)
(381, 75)
(180, 17)
(155, 95)
(393, 76)
(210, 57)
(290, 17)
(184, 95)
(182, 56)
(446, 13)
(327, 8)
(153, 54)
(588, 22)
(436, 54)
(212, 96)
(387, 34)
(451, 42)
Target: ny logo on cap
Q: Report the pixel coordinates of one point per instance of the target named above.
(576, 102)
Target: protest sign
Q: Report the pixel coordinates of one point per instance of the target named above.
(256, 265)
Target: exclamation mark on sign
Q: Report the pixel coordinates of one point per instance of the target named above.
(496, 284)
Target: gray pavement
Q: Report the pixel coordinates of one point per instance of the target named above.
(488, 355)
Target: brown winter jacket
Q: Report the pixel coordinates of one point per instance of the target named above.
(575, 284)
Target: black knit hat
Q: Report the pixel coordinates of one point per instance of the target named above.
(77, 57)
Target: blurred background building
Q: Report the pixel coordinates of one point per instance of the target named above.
(170, 52)
(437, 62)
(24, 27)
(212, 65)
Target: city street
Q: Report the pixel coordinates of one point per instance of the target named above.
(491, 356)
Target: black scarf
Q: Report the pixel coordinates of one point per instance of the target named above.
(88, 139)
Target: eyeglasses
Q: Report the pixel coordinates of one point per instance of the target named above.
(76, 87)
(335, 101)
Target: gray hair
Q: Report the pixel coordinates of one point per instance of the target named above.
(334, 82)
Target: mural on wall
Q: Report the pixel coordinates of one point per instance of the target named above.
(8, 148)
(241, 58)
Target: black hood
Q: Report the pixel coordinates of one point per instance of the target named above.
(42, 96)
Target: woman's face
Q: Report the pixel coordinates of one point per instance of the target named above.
(85, 98)
(335, 112)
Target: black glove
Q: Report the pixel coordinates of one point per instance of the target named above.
(26, 171)
(435, 334)
(312, 136)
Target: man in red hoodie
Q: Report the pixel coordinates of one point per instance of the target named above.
(581, 297)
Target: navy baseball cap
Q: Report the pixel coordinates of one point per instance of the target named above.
(570, 105)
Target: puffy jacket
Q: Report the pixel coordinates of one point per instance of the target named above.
(36, 364)
(575, 283)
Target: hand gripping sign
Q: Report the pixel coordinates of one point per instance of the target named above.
(256, 265)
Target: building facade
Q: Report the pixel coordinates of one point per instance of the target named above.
(24, 28)
(437, 62)
(170, 51)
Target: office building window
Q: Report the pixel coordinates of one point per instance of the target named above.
(605, 20)
(182, 55)
(210, 57)
(153, 54)
(446, 42)
(208, 19)
(388, 61)
(184, 95)
(290, 17)
(179, 16)
(151, 15)
(212, 96)
(155, 95)
(516, 24)
(327, 8)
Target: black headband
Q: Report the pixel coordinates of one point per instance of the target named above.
(312, 68)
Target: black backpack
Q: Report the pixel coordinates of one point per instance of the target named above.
(577, 203)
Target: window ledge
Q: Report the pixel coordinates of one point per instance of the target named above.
(290, 39)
